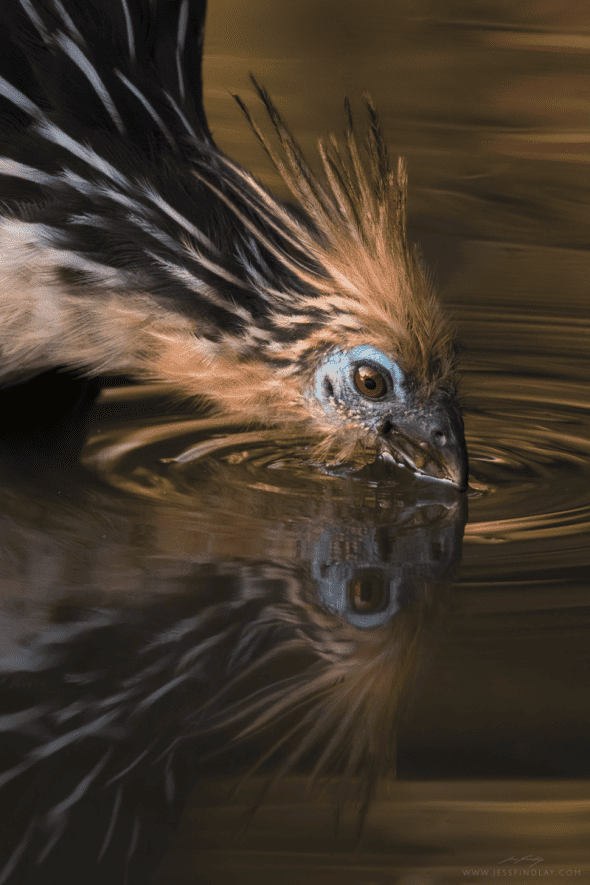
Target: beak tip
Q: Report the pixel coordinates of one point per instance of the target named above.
(456, 466)
(459, 482)
(431, 443)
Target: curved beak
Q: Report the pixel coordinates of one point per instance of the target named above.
(430, 441)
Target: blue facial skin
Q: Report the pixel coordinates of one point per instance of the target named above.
(427, 438)
(334, 384)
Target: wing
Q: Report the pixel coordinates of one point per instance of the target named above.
(104, 71)
(105, 228)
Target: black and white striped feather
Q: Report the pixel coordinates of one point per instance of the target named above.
(109, 717)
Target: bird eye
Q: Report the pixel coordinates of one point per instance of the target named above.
(370, 382)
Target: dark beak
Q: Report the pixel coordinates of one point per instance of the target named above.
(430, 441)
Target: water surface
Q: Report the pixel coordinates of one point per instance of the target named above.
(199, 603)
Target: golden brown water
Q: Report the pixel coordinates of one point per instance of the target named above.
(484, 683)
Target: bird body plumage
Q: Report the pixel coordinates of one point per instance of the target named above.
(131, 245)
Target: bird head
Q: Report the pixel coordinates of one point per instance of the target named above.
(352, 346)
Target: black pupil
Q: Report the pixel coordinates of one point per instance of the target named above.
(370, 382)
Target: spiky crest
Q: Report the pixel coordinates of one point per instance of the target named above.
(368, 280)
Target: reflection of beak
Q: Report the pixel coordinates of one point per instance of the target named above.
(430, 441)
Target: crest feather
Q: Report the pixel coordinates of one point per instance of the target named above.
(354, 260)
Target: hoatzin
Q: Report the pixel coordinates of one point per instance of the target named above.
(131, 245)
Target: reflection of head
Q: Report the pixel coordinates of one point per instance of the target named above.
(367, 572)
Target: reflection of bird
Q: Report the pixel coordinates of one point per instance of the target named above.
(110, 716)
(156, 665)
(132, 245)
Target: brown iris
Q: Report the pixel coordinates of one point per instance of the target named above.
(370, 382)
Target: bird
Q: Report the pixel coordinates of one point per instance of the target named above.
(133, 246)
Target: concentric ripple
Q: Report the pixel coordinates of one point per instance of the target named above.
(173, 461)
(528, 440)
(530, 459)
